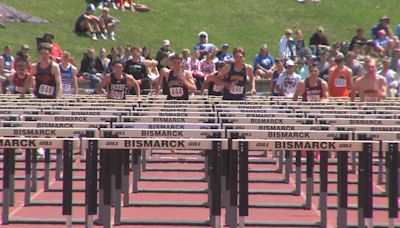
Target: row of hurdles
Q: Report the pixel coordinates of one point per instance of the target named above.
(227, 131)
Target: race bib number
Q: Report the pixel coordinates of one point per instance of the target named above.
(370, 99)
(340, 82)
(236, 90)
(176, 91)
(218, 88)
(18, 89)
(67, 88)
(46, 90)
(313, 98)
(114, 94)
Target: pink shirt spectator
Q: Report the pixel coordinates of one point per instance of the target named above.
(207, 67)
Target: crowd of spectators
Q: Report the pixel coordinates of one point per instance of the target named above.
(339, 64)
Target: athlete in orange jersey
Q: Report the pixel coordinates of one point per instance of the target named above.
(340, 78)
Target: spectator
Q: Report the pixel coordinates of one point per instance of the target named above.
(152, 71)
(122, 4)
(395, 64)
(359, 52)
(213, 83)
(359, 38)
(204, 47)
(6, 62)
(340, 78)
(163, 54)
(102, 63)
(287, 46)
(223, 55)
(383, 24)
(88, 69)
(187, 59)
(263, 63)
(299, 41)
(56, 53)
(323, 65)
(113, 56)
(23, 56)
(108, 23)
(88, 22)
(279, 68)
(398, 31)
(381, 42)
(353, 64)
(68, 74)
(146, 53)
(288, 80)
(319, 40)
(138, 70)
(390, 75)
(126, 55)
(305, 68)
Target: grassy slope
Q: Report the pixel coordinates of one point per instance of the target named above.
(247, 23)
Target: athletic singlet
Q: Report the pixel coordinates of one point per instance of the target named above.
(275, 77)
(18, 83)
(117, 89)
(340, 82)
(45, 82)
(8, 62)
(66, 78)
(214, 89)
(237, 84)
(312, 93)
(176, 89)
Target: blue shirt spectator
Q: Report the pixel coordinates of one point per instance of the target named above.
(223, 54)
(263, 62)
(203, 46)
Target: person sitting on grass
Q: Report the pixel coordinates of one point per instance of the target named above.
(108, 23)
(88, 22)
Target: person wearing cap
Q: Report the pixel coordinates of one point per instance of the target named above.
(319, 39)
(287, 46)
(312, 88)
(88, 22)
(163, 53)
(56, 53)
(179, 82)
(371, 87)
(223, 55)
(340, 78)
(263, 63)
(235, 76)
(108, 23)
(203, 45)
(288, 80)
(23, 56)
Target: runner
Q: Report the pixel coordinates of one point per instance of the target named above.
(213, 83)
(68, 75)
(312, 88)
(340, 78)
(47, 75)
(235, 76)
(180, 81)
(21, 80)
(371, 87)
(117, 83)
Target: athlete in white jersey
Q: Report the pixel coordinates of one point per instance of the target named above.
(68, 75)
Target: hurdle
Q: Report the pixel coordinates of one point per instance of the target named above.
(110, 145)
(365, 148)
(9, 144)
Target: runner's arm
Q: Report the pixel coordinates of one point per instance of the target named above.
(325, 94)
(105, 81)
(249, 72)
(75, 80)
(57, 76)
(132, 82)
(299, 90)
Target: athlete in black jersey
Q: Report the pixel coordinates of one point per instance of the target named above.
(180, 81)
(235, 76)
(213, 83)
(47, 75)
(117, 83)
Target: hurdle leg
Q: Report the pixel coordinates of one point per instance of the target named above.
(118, 185)
(12, 177)
(46, 169)
(280, 161)
(243, 182)
(288, 165)
(28, 156)
(392, 164)
(144, 158)
(310, 178)
(91, 183)
(353, 163)
(380, 167)
(231, 210)
(136, 170)
(323, 175)
(67, 181)
(101, 189)
(58, 164)
(298, 173)
(106, 219)
(6, 187)
(216, 187)
(342, 189)
(125, 178)
(34, 171)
